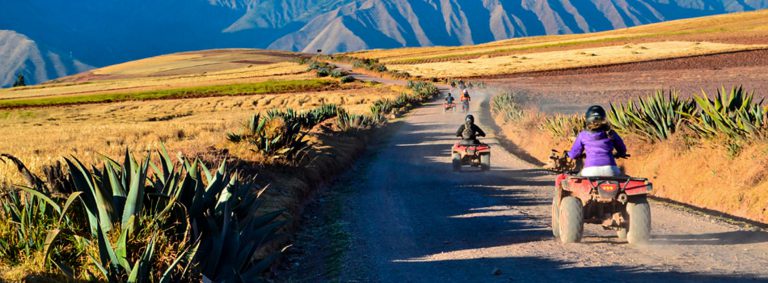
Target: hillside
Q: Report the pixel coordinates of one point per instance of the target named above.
(682, 38)
(108, 32)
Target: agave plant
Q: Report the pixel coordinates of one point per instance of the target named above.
(654, 118)
(203, 221)
(284, 139)
(506, 105)
(346, 121)
(732, 114)
(32, 217)
(563, 126)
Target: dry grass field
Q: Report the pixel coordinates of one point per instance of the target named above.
(190, 69)
(690, 37)
(566, 59)
(40, 136)
(192, 124)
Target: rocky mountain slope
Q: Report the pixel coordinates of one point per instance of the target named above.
(106, 32)
(37, 63)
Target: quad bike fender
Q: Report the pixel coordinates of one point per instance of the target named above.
(577, 186)
(559, 180)
(638, 187)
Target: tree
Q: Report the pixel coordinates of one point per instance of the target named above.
(19, 81)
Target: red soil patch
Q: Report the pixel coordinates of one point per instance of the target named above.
(571, 90)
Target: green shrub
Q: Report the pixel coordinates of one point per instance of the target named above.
(347, 79)
(338, 73)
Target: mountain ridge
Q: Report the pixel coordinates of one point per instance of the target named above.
(100, 33)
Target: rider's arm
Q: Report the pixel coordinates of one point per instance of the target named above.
(461, 129)
(577, 148)
(479, 131)
(618, 144)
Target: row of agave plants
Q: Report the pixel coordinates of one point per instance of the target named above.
(324, 69)
(369, 64)
(732, 115)
(137, 221)
(281, 134)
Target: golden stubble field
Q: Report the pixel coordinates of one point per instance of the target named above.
(690, 37)
(40, 136)
(190, 69)
(554, 60)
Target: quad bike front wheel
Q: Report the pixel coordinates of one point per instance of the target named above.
(570, 220)
(456, 162)
(639, 212)
(485, 162)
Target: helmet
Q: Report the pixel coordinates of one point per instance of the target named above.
(466, 92)
(470, 119)
(595, 114)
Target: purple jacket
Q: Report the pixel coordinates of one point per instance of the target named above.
(598, 148)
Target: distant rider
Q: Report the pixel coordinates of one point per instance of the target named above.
(465, 96)
(598, 141)
(449, 99)
(469, 131)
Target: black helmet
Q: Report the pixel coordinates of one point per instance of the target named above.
(470, 119)
(595, 114)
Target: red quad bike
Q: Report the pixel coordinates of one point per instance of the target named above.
(449, 107)
(478, 155)
(617, 203)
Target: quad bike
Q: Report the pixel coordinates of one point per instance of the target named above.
(617, 203)
(449, 107)
(476, 155)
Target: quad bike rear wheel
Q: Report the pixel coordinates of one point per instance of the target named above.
(639, 212)
(571, 220)
(456, 161)
(485, 161)
(556, 214)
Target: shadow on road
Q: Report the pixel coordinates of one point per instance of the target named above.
(723, 238)
(537, 269)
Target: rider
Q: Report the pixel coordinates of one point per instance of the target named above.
(598, 142)
(465, 96)
(469, 131)
(449, 99)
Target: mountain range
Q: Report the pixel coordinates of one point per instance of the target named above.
(45, 39)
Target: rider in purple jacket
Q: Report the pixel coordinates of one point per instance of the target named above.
(598, 143)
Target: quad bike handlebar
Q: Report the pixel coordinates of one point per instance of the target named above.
(562, 163)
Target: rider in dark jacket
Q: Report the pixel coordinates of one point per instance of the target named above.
(469, 131)
(449, 99)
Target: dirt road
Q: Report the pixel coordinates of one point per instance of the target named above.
(411, 219)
